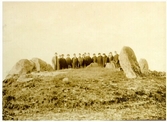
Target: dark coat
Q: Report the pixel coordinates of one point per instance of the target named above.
(60, 63)
(85, 62)
(104, 61)
(89, 60)
(75, 62)
(69, 62)
(80, 61)
(109, 59)
(63, 63)
(100, 60)
(94, 59)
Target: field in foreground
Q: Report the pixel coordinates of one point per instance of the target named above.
(85, 94)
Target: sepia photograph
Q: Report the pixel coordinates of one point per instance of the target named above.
(83, 60)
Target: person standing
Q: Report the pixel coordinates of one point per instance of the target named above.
(75, 61)
(116, 60)
(69, 61)
(55, 62)
(80, 61)
(60, 61)
(94, 58)
(104, 59)
(89, 60)
(64, 64)
(84, 60)
(100, 60)
(110, 57)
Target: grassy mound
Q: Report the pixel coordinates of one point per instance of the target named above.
(86, 94)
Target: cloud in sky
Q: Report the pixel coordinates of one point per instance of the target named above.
(38, 29)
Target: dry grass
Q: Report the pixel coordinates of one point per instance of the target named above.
(89, 94)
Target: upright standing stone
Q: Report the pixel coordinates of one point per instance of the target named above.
(129, 63)
(144, 66)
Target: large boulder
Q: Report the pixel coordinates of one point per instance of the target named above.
(129, 63)
(23, 66)
(111, 66)
(41, 65)
(144, 66)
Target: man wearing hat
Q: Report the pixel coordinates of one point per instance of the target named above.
(94, 58)
(80, 61)
(55, 62)
(110, 57)
(84, 60)
(104, 59)
(64, 64)
(75, 61)
(100, 60)
(89, 59)
(69, 61)
(116, 60)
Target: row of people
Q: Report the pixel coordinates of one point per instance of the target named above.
(83, 60)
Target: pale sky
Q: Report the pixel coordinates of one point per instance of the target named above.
(39, 29)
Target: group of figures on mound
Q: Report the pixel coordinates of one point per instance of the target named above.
(84, 60)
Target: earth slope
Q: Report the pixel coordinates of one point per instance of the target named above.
(85, 94)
